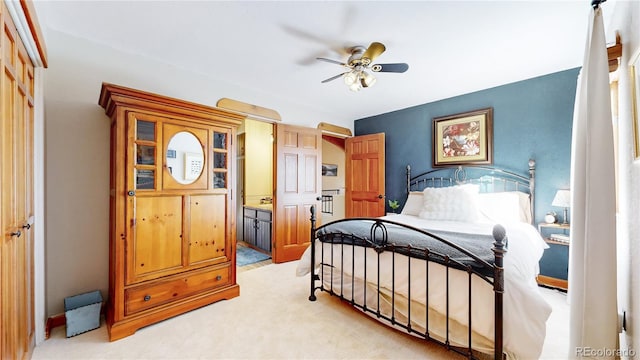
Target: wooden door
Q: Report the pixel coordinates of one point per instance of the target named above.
(17, 324)
(298, 187)
(364, 178)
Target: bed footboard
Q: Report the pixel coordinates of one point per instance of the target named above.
(342, 273)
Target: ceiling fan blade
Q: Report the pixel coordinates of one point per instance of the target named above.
(331, 61)
(332, 78)
(396, 68)
(373, 51)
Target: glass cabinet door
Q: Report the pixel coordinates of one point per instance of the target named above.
(220, 159)
(146, 151)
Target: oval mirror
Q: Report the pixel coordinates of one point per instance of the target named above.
(185, 158)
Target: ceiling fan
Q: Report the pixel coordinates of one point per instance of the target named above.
(359, 62)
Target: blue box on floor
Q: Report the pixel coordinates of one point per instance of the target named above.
(82, 312)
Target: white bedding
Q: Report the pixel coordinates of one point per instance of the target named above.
(525, 310)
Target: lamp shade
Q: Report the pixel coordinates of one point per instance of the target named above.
(562, 199)
(350, 78)
(367, 80)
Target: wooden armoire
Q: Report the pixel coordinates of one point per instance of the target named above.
(172, 207)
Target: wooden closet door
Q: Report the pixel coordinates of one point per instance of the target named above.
(16, 195)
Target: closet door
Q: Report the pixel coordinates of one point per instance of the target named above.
(16, 196)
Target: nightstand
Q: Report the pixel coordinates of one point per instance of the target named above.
(554, 264)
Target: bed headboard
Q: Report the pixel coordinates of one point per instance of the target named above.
(490, 179)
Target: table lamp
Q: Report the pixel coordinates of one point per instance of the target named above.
(563, 200)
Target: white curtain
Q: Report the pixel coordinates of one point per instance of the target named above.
(592, 258)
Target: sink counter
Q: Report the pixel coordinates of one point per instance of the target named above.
(257, 226)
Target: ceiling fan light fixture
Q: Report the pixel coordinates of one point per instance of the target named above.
(357, 85)
(351, 77)
(367, 80)
(356, 77)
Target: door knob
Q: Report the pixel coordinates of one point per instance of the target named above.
(380, 196)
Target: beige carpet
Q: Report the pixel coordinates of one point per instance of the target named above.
(272, 319)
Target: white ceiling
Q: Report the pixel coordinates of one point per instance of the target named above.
(452, 47)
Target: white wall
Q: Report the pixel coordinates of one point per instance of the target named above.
(77, 150)
(626, 21)
(258, 161)
(39, 201)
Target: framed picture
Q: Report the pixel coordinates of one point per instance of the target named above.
(463, 139)
(329, 170)
(634, 71)
(193, 163)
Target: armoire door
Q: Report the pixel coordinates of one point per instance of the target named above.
(175, 221)
(298, 187)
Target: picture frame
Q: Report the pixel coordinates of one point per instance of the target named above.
(463, 139)
(193, 163)
(329, 170)
(634, 73)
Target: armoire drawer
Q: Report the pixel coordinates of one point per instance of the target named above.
(161, 292)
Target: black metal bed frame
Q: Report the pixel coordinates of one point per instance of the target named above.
(490, 179)
(378, 240)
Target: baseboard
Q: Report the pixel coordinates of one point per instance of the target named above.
(61, 320)
(53, 322)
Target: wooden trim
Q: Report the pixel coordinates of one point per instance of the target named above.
(61, 320)
(339, 142)
(553, 282)
(34, 27)
(614, 52)
(53, 322)
(248, 109)
(334, 129)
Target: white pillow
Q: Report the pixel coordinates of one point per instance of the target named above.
(413, 206)
(458, 203)
(504, 207)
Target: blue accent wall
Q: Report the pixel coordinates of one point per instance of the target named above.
(531, 119)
